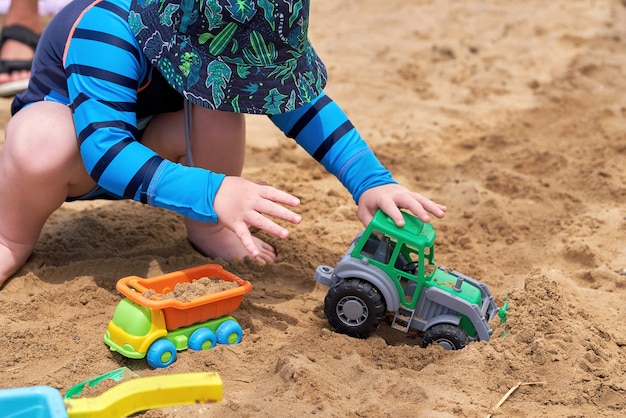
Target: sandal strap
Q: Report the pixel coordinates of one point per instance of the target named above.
(10, 66)
(19, 33)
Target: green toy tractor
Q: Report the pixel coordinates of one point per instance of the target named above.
(391, 270)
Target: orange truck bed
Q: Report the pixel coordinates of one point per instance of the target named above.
(182, 313)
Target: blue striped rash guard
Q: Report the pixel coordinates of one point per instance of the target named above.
(88, 59)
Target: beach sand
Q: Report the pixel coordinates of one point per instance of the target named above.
(510, 113)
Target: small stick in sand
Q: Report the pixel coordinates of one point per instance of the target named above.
(513, 389)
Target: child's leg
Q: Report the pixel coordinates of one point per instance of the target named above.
(39, 167)
(218, 143)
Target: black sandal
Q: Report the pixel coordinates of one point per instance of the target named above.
(26, 36)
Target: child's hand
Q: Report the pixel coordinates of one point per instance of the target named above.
(240, 204)
(390, 197)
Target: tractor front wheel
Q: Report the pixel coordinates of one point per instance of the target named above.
(447, 336)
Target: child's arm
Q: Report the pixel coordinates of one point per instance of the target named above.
(326, 133)
(103, 70)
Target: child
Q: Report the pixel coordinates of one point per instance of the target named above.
(144, 100)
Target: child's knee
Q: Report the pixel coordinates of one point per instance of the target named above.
(41, 142)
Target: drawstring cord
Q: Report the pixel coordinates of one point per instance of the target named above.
(187, 113)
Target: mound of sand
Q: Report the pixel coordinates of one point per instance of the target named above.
(510, 113)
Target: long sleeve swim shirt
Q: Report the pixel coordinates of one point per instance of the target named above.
(89, 60)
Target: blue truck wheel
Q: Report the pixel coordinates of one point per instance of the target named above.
(202, 339)
(229, 332)
(161, 354)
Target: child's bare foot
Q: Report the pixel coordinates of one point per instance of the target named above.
(215, 241)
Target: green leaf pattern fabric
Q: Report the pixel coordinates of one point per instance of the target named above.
(250, 56)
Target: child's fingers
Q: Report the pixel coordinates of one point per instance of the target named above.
(267, 207)
(390, 207)
(243, 233)
(267, 225)
(414, 207)
(428, 205)
(420, 206)
(279, 196)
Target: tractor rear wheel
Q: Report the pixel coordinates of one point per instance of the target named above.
(354, 307)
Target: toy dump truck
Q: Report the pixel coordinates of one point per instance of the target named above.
(148, 323)
(391, 270)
